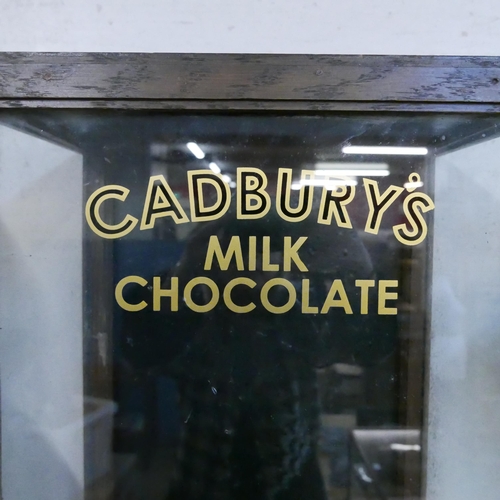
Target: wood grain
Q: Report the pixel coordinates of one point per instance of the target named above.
(250, 77)
(243, 105)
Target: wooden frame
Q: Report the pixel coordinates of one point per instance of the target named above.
(233, 81)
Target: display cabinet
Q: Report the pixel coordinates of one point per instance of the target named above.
(249, 277)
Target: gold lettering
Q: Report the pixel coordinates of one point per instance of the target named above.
(290, 252)
(252, 199)
(330, 301)
(229, 301)
(159, 292)
(199, 211)
(119, 293)
(161, 202)
(304, 206)
(378, 203)
(252, 253)
(94, 219)
(189, 290)
(384, 296)
(306, 308)
(414, 205)
(233, 250)
(266, 255)
(292, 295)
(335, 202)
(365, 285)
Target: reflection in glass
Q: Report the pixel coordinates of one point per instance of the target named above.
(254, 297)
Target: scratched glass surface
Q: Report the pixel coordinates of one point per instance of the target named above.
(253, 306)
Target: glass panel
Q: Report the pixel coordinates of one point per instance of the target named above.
(464, 376)
(40, 318)
(223, 306)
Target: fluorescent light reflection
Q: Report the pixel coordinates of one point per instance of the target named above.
(405, 447)
(227, 179)
(357, 172)
(196, 150)
(352, 169)
(413, 185)
(214, 167)
(384, 150)
(326, 183)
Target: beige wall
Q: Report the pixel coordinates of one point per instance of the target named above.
(459, 27)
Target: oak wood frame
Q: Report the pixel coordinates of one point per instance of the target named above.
(249, 81)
